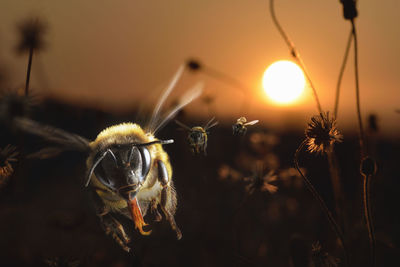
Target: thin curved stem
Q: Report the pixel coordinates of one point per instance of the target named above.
(367, 178)
(28, 71)
(244, 90)
(294, 53)
(360, 123)
(368, 217)
(342, 68)
(334, 225)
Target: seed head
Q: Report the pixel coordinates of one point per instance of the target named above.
(31, 35)
(322, 133)
(7, 156)
(349, 9)
(368, 166)
(261, 181)
(193, 65)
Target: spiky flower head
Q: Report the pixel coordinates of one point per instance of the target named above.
(7, 156)
(261, 181)
(31, 35)
(322, 133)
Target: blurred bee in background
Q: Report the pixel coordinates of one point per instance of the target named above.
(239, 128)
(128, 171)
(198, 135)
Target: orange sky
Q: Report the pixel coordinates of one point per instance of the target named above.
(116, 53)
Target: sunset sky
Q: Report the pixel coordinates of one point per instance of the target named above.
(115, 54)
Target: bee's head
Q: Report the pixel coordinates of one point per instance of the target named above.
(123, 168)
(196, 135)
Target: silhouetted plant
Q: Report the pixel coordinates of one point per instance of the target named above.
(31, 34)
(8, 157)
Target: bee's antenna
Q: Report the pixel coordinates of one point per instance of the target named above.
(167, 142)
(161, 142)
(98, 160)
(188, 97)
(167, 92)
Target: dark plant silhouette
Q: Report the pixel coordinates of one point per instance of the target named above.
(31, 34)
(8, 157)
(322, 134)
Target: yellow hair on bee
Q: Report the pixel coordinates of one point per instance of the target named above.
(122, 134)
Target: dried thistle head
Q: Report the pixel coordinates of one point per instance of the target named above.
(322, 133)
(8, 155)
(261, 181)
(31, 33)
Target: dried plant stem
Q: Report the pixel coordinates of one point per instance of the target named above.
(337, 187)
(244, 90)
(334, 225)
(294, 53)
(360, 123)
(28, 71)
(367, 178)
(342, 68)
(368, 218)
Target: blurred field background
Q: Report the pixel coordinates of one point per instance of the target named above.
(104, 63)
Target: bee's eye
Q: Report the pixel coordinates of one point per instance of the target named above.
(107, 170)
(195, 135)
(146, 160)
(135, 158)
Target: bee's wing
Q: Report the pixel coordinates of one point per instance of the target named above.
(156, 113)
(66, 140)
(252, 122)
(184, 126)
(192, 94)
(210, 124)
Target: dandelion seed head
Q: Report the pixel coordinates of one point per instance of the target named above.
(322, 133)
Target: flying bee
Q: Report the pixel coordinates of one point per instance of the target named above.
(198, 135)
(239, 128)
(128, 171)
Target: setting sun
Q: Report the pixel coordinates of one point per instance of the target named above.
(283, 82)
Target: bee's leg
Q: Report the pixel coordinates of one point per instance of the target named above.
(109, 224)
(168, 198)
(114, 228)
(154, 210)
